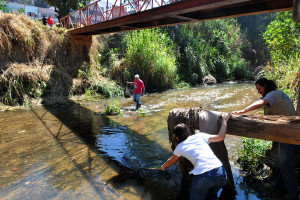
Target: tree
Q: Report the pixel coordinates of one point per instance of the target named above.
(27, 2)
(2, 5)
(41, 3)
(282, 37)
(62, 7)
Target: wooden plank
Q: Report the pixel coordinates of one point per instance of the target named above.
(277, 128)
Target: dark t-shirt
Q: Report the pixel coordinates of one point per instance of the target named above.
(44, 20)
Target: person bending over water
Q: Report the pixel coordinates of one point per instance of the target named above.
(209, 174)
(275, 102)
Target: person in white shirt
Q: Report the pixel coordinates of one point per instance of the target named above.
(208, 172)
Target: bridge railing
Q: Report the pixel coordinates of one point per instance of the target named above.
(103, 10)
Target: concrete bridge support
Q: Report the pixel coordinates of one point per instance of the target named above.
(81, 45)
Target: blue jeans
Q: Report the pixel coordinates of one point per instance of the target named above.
(136, 98)
(286, 160)
(207, 185)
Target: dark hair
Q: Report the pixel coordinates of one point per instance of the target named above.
(268, 84)
(182, 131)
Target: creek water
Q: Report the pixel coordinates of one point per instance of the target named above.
(73, 151)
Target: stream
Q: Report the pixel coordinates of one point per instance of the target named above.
(73, 151)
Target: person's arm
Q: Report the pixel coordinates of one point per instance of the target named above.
(222, 131)
(129, 83)
(143, 91)
(254, 106)
(169, 162)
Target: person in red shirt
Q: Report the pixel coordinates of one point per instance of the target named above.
(138, 90)
(50, 21)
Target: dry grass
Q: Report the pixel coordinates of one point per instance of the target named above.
(39, 62)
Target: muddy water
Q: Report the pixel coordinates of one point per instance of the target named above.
(74, 152)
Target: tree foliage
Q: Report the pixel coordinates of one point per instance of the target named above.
(27, 2)
(253, 27)
(2, 5)
(283, 37)
(41, 3)
(62, 7)
(209, 48)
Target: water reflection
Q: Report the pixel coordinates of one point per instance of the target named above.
(73, 152)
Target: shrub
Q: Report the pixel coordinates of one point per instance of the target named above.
(113, 108)
(251, 154)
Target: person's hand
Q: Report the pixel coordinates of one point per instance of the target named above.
(238, 112)
(163, 168)
(226, 116)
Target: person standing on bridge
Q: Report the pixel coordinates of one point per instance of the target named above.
(275, 102)
(50, 21)
(138, 90)
(208, 174)
(44, 20)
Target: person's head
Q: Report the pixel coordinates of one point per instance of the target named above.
(136, 76)
(182, 132)
(49, 16)
(264, 86)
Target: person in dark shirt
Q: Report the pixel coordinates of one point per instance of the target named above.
(44, 20)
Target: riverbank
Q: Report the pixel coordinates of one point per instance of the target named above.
(43, 65)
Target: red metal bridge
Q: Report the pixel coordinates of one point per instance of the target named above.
(103, 17)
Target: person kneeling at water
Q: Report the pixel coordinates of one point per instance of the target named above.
(209, 174)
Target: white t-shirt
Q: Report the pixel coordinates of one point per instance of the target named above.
(279, 104)
(196, 149)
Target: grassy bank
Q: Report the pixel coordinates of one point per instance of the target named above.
(42, 64)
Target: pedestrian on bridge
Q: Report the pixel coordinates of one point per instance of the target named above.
(138, 90)
(50, 21)
(208, 174)
(44, 20)
(275, 102)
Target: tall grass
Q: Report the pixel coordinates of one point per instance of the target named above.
(149, 54)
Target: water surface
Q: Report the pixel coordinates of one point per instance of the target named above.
(74, 152)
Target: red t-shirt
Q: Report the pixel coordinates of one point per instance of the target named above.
(138, 86)
(50, 21)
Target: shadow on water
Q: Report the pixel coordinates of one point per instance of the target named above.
(134, 155)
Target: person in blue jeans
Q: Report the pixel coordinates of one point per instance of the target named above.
(138, 90)
(208, 172)
(275, 102)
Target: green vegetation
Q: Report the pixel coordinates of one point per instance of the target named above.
(2, 6)
(251, 155)
(63, 8)
(283, 39)
(211, 47)
(149, 54)
(254, 48)
(113, 108)
(171, 57)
